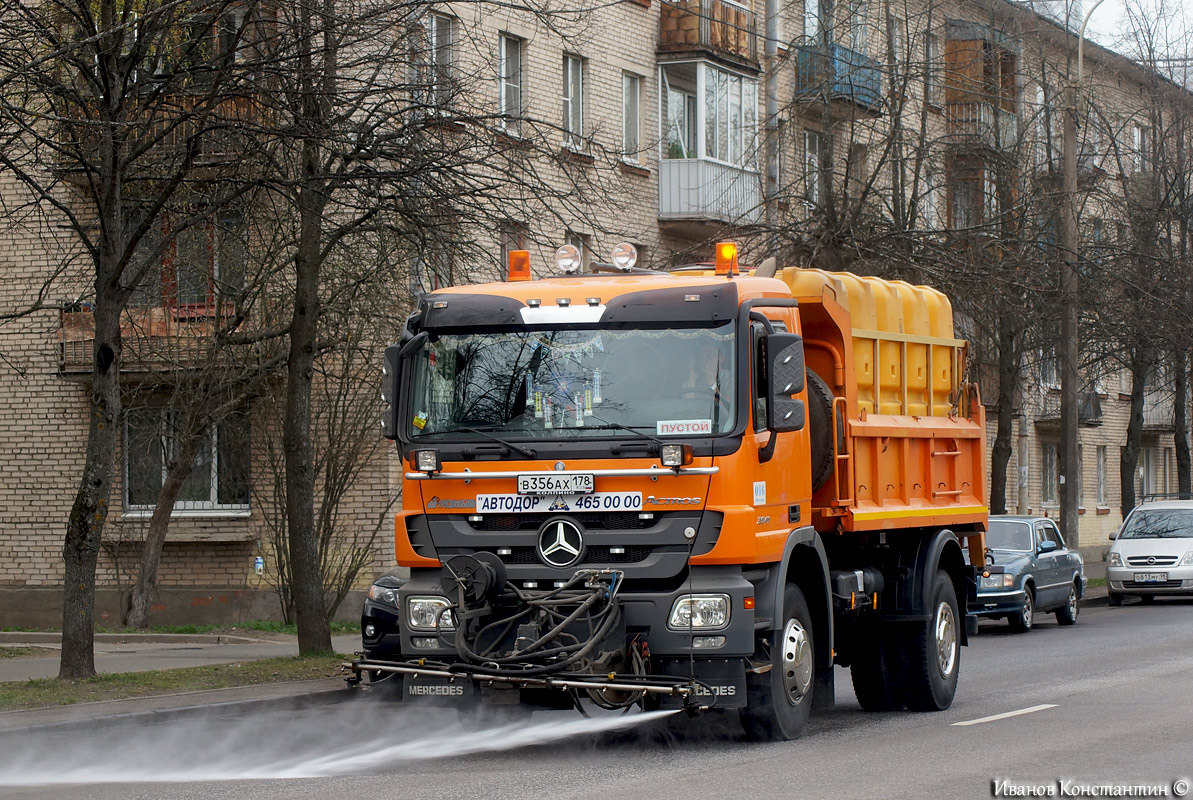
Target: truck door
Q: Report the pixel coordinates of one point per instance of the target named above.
(782, 484)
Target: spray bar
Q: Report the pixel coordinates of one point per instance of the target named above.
(676, 689)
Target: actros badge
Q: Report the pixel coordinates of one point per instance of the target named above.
(560, 543)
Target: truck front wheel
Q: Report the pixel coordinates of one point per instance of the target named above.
(779, 701)
(933, 651)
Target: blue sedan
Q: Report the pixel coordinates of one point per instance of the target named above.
(1029, 571)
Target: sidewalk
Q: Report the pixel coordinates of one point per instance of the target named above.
(141, 652)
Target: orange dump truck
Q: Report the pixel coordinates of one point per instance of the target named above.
(696, 489)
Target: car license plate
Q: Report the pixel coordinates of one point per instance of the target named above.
(551, 483)
(557, 504)
(1151, 577)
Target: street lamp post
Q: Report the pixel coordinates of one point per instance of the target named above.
(1070, 286)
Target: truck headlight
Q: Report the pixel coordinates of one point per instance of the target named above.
(430, 613)
(1114, 560)
(385, 595)
(676, 455)
(426, 460)
(699, 612)
(998, 581)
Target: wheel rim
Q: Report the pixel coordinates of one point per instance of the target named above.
(1028, 611)
(1073, 603)
(797, 661)
(946, 640)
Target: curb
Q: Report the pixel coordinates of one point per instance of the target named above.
(104, 714)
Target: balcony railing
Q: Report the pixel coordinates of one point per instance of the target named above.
(696, 189)
(984, 124)
(715, 26)
(1159, 412)
(842, 73)
(156, 339)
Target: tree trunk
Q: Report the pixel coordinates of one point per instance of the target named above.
(1129, 458)
(314, 631)
(1008, 381)
(1180, 436)
(84, 527)
(151, 555)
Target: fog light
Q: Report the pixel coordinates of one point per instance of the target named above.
(426, 460)
(370, 631)
(707, 642)
(425, 642)
(676, 455)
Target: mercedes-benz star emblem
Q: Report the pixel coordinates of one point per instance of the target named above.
(560, 543)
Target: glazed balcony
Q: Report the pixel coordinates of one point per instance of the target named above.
(714, 27)
(698, 190)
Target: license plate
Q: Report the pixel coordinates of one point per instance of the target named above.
(1151, 577)
(557, 504)
(550, 483)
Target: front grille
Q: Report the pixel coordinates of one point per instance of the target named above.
(609, 521)
(1145, 561)
(594, 555)
(1159, 585)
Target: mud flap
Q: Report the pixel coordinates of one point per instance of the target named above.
(721, 683)
(438, 690)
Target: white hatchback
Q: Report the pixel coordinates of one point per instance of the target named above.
(1152, 552)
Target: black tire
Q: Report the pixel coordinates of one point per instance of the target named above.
(875, 672)
(1067, 614)
(1114, 598)
(1026, 618)
(933, 651)
(779, 701)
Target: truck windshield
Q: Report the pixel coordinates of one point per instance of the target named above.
(551, 383)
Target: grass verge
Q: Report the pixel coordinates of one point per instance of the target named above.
(22, 652)
(1095, 582)
(47, 692)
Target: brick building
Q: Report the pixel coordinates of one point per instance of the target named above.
(685, 121)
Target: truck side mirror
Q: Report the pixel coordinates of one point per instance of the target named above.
(391, 384)
(785, 376)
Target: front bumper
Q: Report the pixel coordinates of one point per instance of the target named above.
(1177, 580)
(999, 603)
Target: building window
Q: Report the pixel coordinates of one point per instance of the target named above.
(631, 88)
(813, 144)
(1050, 369)
(1101, 475)
(680, 123)
(432, 268)
(573, 100)
(510, 66)
(933, 88)
(1048, 474)
(967, 187)
(219, 476)
(439, 58)
(580, 242)
(1140, 147)
(513, 237)
(1080, 476)
(203, 263)
(858, 28)
(934, 216)
(811, 19)
(1147, 463)
(730, 113)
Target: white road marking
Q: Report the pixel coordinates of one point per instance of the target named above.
(1007, 714)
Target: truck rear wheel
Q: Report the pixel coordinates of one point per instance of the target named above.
(875, 674)
(932, 651)
(779, 701)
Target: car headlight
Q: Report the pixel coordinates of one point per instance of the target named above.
(1114, 559)
(699, 612)
(430, 613)
(1187, 561)
(385, 595)
(1001, 580)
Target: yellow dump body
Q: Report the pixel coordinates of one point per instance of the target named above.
(912, 441)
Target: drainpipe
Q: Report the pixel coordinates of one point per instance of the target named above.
(770, 64)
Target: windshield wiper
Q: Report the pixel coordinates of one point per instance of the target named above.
(516, 448)
(634, 429)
